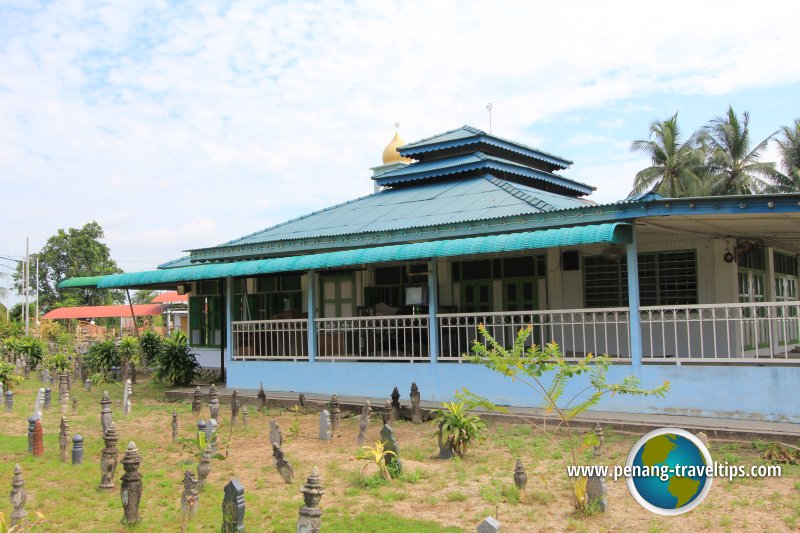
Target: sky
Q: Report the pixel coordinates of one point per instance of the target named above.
(179, 125)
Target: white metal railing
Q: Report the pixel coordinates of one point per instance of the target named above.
(736, 333)
(396, 337)
(270, 339)
(576, 331)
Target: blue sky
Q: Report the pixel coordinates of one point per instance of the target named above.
(185, 124)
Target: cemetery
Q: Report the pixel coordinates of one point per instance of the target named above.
(117, 455)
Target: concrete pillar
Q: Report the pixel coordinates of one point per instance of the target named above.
(635, 327)
(433, 307)
(312, 313)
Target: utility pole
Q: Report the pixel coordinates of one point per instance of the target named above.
(26, 284)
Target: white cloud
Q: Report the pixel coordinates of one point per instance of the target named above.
(247, 114)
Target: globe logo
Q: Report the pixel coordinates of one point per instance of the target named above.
(669, 470)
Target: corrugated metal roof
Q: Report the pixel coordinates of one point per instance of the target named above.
(470, 135)
(84, 281)
(508, 242)
(427, 204)
(475, 161)
(102, 311)
(170, 297)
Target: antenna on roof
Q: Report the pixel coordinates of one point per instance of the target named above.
(489, 109)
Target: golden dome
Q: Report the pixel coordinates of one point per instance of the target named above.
(390, 153)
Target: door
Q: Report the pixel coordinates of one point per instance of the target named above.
(476, 296)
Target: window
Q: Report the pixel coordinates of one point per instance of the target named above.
(785, 277)
(274, 294)
(665, 278)
(205, 321)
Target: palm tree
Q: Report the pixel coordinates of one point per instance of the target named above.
(676, 165)
(789, 148)
(732, 166)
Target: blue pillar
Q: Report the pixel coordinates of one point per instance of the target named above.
(433, 307)
(228, 321)
(633, 303)
(312, 307)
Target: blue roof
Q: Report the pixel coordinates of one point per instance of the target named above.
(508, 242)
(468, 135)
(427, 204)
(477, 161)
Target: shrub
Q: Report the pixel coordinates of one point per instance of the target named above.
(7, 376)
(102, 357)
(150, 345)
(458, 423)
(175, 364)
(128, 350)
(32, 349)
(57, 362)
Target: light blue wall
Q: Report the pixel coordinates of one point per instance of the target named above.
(742, 392)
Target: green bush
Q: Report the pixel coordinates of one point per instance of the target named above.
(7, 376)
(32, 349)
(128, 349)
(458, 423)
(150, 344)
(57, 362)
(175, 364)
(102, 357)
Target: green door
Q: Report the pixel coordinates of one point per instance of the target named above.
(476, 296)
(520, 295)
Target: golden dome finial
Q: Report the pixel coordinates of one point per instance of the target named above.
(390, 153)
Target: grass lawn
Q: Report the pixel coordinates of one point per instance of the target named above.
(432, 496)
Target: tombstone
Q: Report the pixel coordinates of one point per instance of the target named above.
(601, 440)
(9, 401)
(77, 449)
(131, 489)
(363, 423)
(204, 466)
(26, 369)
(445, 445)
(132, 371)
(63, 388)
(396, 404)
(105, 411)
(416, 412)
(18, 497)
(520, 477)
(63, 438)
(48, 398)
(174, 427)
(302, 400)
(703, 438)
(46, 377)
(284, 467)
(387, 413)
(201, 427)
(597, 493)
(127, 392)
(275, 434)
(325, 426)
(2, 394)
(31, 427)
(190, 497)
(489, 525)
(245, 416)
(234, 406)
(114, 373)
(38, 439)
(77, 369)
(262, 396)
(211, 435)
(75, 405)
(87, 385)
(38, 404)
(197, 401)
(233, 507)
(213, 404)
(64, 402)
(108, 457)
(390, 444)
(336, 415)
(310, 515)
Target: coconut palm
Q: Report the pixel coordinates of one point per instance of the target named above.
(733, 167)
(676, 165)
(789, 149)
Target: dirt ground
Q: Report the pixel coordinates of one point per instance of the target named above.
(448, 492)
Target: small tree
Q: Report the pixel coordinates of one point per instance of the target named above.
(547, 372)
(456, 422)
(150, 344)
(175, 364)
